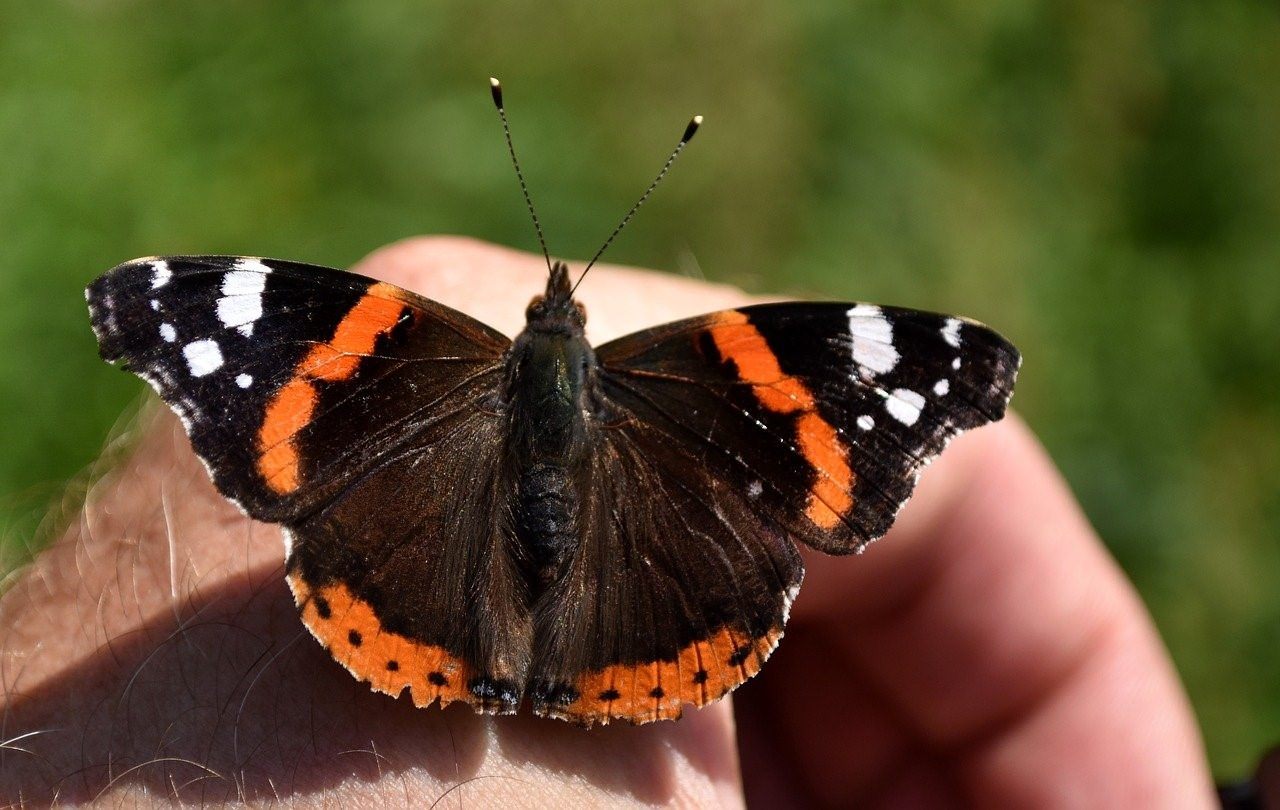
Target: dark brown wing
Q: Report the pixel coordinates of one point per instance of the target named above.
(407, 575)
(677, 594)
(359, 415)
(732, 434)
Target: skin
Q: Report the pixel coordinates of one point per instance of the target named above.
(987, 651)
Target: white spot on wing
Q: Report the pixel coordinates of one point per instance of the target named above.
(951, 332)
(155, 305)
(872, 336)
(754, 489)
(203, 357)
(865, 422)
(904, 405)
(955, 364)
(168, 333)
(244, 380)
(942, 387)
(160, 274)
(241, 301)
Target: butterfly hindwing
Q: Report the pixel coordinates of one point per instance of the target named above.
(408, 577)
(676, 594)
(291, 379)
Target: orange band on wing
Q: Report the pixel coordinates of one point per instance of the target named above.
(287, 413)
(738, 340)
(831, 496)
(292, 407)
(701, 673)
(356, 335)
(349, 628)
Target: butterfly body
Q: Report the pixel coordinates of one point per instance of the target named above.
(551, 403)
(604, 534)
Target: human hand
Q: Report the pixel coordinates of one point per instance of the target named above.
(987, 650)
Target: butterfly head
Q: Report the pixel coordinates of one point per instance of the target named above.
(556, 310)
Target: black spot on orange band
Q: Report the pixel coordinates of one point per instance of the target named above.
(702, 672)
(388, 661)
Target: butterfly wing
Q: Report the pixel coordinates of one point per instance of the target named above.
(291, 379)
(827, 413)
(676, 594)
(744, 429)
(408, 578)
(357, 414)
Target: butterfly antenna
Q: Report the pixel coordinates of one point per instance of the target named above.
(495, 88)
(689, 131)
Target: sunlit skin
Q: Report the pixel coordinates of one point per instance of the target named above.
(987, 649)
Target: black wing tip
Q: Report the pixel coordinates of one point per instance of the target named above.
(110, 295)
(103, 317)
(1005, 369)
(1001, 362)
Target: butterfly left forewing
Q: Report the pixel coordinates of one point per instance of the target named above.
(290, 378)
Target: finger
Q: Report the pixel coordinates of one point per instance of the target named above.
(992, 619)
(989, 588)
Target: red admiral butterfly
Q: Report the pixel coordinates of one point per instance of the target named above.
(608, 533)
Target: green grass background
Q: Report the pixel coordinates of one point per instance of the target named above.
(1100, 179)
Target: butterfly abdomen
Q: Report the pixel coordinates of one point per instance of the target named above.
(547, 509)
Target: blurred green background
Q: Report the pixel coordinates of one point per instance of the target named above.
(1098, 179)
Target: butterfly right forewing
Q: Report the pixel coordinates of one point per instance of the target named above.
(824, 413)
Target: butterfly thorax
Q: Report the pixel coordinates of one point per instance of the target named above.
(550, 381)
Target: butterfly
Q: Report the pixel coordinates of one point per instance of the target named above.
(602, 533)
